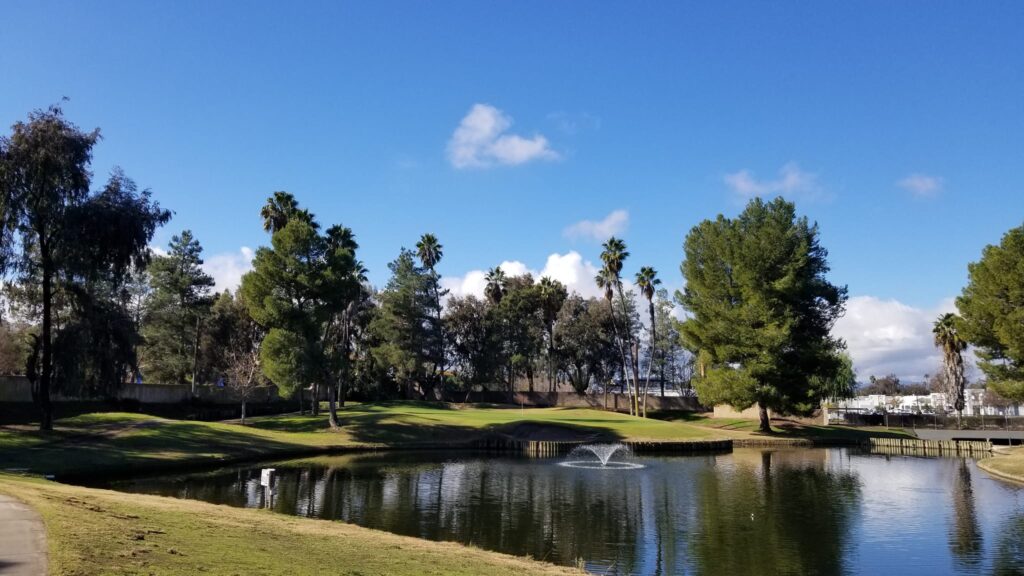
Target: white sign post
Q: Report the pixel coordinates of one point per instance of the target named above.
(266, 481)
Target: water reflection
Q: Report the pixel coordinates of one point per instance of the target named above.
(747, 512)
(965, 535)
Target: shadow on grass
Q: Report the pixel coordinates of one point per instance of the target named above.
(160, 443)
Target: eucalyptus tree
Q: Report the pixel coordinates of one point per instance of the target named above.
(583, 343)
(948, 339)
(647, 281)
(75, 245)
(181, 296)
(521, 323)
(992, 309)
(761, 309)
(552, 295)
(297, 291)
(430, 252)
(473, 339)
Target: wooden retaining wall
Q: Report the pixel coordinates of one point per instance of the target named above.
(969, 447)
(550, 449)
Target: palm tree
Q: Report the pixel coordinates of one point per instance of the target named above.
(647, 281)
(552, 296)
(947, 337)
(495, 289)
(609, 279)
(279, 209)
(430, 252)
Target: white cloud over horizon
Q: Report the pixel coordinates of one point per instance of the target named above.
(888, 336)
(791, 181)
(228, 268)
(481, 140)
(570, 269)
(614, 224)
(921, 185)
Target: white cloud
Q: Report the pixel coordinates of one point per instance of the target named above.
(228, 268)
(887, 336)
(569, 269)
(921, 185)
(792, 181)
(599, 230)
(481, 141)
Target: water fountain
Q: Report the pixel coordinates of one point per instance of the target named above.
(599, 457)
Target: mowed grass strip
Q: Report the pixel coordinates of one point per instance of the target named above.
(102, 532)
(122, 442)
(1008, 464)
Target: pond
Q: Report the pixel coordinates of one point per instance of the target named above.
(750, 511)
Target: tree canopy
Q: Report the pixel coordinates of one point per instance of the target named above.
(761, 309)
(992, 308)
(71, 249)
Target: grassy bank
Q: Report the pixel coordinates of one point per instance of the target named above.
(101, 532)
(738, 428)
(117, 442)
(1008, 464)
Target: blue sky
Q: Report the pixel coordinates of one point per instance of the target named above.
(899, 127)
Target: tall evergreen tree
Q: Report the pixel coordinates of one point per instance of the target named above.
(401, 324)
(181, 297)
(992, 308)
(430, 252)
(762, 309)
(298, 291)
(75, 246)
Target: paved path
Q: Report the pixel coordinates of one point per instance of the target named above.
(929, 434)
(22, 539)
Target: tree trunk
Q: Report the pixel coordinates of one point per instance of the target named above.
(766, 424)
(243, 412)
(332, 407)
(45, 408)
(195, 353)
(302, 403)
(650, 365)
(315, 402)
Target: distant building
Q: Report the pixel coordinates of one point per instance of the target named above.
(934, 403)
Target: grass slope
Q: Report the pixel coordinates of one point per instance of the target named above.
(1008, 464)
(116, 442)
(103, 532)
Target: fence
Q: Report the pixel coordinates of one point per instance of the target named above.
(935, 421)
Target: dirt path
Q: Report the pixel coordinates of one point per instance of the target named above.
(22, 539)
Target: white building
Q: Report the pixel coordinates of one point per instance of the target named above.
(933, 403)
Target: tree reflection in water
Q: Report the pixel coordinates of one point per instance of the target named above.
(965, 535)
(788, 511)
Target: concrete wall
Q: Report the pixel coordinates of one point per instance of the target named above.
(726, 411)
(16, 389)
(616, 402)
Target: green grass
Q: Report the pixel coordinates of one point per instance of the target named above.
(1008, 464)
(116, 442)
(102, 532)
(741, 428)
